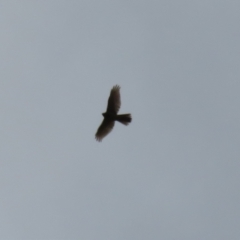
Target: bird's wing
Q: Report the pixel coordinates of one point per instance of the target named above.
(114, 100)
(104, 129)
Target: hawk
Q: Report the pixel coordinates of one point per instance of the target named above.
(110, 116)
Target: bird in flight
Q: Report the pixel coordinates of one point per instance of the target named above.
(110, 116)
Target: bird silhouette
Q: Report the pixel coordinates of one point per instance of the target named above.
(110, 116)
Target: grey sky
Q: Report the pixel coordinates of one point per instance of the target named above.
(173, 173)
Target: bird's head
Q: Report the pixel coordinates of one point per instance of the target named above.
(104, 114)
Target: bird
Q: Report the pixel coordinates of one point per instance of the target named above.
(110, 116)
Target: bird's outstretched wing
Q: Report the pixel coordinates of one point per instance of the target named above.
(114, 100)
(104, 129)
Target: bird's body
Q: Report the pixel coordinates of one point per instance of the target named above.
(110, 116)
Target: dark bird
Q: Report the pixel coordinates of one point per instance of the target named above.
(110, 116)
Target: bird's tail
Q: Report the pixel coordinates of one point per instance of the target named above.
(124, 118)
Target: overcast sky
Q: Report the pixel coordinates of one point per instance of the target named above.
(173, 173)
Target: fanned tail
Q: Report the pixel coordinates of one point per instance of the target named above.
(124, 118)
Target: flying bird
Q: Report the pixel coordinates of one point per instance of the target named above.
(110, 116)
